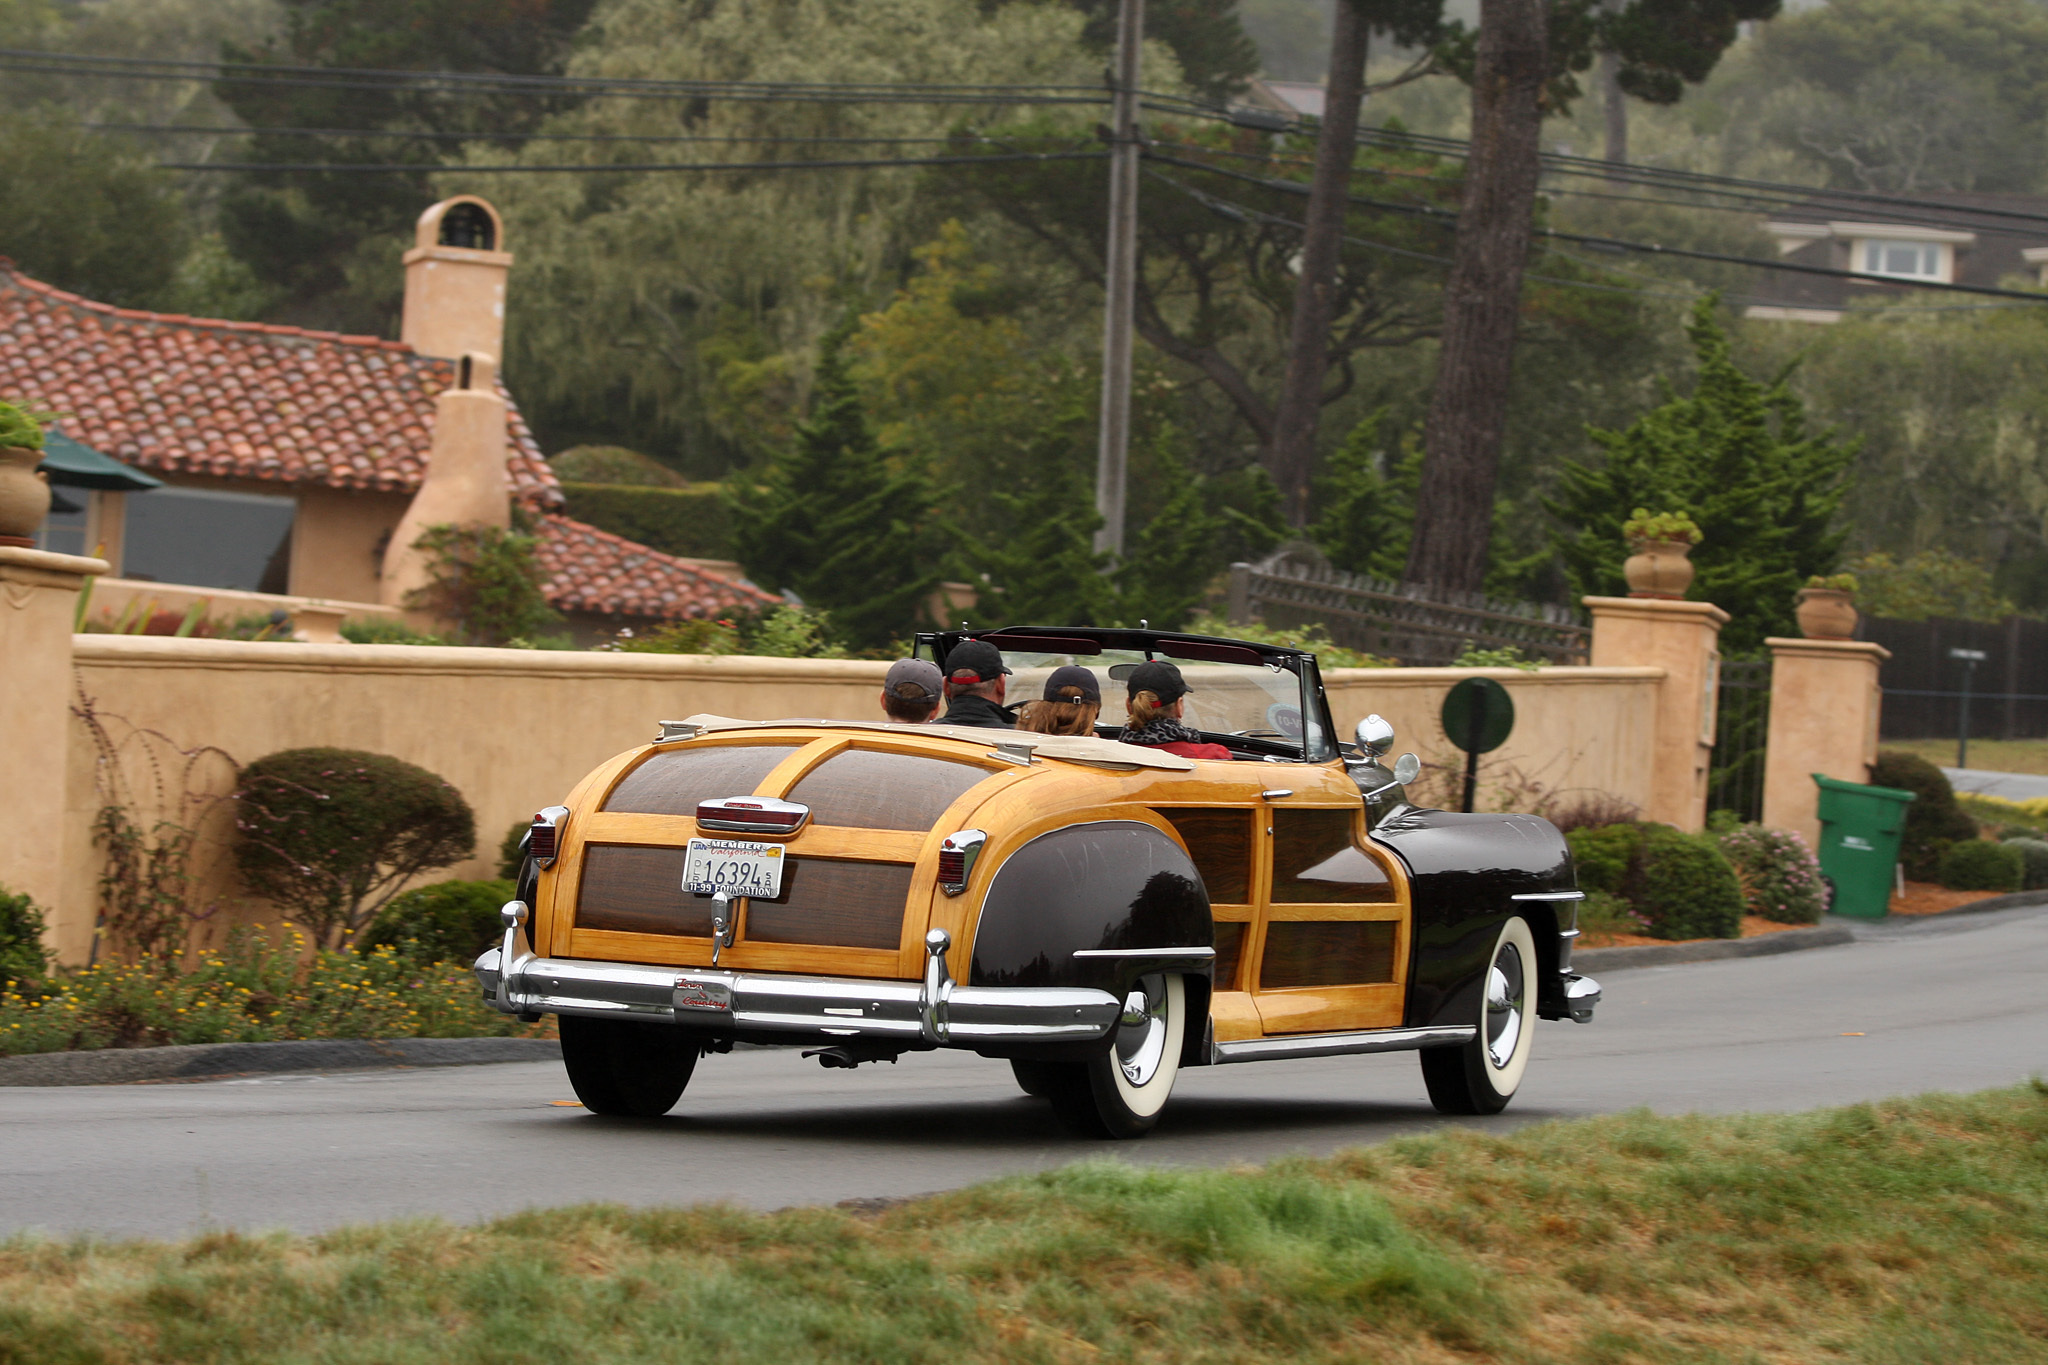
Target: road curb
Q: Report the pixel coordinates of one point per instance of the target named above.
(1669, 954)
(1788, 940)
(199, 1061)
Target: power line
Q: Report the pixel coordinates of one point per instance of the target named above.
(1609, 243)
(601, 168)
(182, 129)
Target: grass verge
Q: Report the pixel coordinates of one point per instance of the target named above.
(1909, 1231)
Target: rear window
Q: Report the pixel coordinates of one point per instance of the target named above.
(674, 781)
(869, 789)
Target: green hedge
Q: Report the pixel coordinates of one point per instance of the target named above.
(1680, 885)
(1980, 865)
(680, 521)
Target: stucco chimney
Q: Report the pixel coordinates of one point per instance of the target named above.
(455, 281)
(465, 483)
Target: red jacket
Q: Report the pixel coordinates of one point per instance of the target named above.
(1187, 750)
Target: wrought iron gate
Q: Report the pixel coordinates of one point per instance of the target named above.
(1735, 782)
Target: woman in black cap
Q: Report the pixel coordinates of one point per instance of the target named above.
(1156, 692)
(1072, 701)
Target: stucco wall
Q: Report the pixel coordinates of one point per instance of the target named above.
(513, 730)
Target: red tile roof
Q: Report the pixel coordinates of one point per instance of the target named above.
(595, 571)
(248, 400)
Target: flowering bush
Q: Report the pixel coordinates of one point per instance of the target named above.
(1780, 876)
(254, 990)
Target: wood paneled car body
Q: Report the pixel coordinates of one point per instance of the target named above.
(1098, 914)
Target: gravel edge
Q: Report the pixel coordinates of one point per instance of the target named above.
(208, 1061)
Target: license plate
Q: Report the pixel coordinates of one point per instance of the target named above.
(737, 867)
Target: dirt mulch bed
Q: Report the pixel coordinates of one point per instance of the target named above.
(1925, 898)
(1753, 926)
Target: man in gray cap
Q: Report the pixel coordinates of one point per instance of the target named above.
(912, 692)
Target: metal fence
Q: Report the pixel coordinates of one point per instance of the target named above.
(1420, 626)
(1923, 685)
(1742, 715)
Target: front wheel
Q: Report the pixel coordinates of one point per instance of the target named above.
(624, 1068)
(1481, 1076)
(1120, 1093)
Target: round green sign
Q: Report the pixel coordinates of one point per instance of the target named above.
(1478, 715)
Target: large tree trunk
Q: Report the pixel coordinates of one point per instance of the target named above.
(1468, 411)
(1614, 104)
(1291, 459)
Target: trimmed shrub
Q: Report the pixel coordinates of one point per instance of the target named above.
(613, 464)
(690, 521)
(445, 922)
(1683, 886)
(1680, 885)
(1933, 820)
(1780, 876)
(1981, 865)
(330, 835)
(1603, 912)
(512, 851)
(2034, 858)
(1601, 854)
(23, 959)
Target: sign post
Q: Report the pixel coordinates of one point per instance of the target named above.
(1478, 717)
(1970, 659)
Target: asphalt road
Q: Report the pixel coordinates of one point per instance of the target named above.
(1984, 782)
(1950, 1005)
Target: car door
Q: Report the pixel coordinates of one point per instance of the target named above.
(1328, 947)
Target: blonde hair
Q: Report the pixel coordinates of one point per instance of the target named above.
(1072, 714)
(1145, 708)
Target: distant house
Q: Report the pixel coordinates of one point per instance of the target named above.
(288, 457)
(1978, 239)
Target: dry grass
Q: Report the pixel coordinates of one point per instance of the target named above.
(1989, 755)
(1911, 1231)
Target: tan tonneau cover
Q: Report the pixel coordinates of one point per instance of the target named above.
(1106, 753)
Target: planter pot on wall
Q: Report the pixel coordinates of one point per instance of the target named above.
(1825, 614)
(1658, 568)
(24, 495)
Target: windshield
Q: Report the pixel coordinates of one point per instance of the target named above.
(1251, 700)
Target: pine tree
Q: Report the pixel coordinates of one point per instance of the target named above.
(1366, 516)
(833, 520)
(1166, 573)
(1737, 456)
(1046, 571)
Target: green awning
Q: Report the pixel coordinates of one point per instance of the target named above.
(72, 465)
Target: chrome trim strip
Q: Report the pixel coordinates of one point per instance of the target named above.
(1197, 954)
(842, 1006)
(1338, 1044)
(1548, 896)
(1567, 933)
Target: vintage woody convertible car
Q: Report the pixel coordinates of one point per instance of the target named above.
(1098, 914)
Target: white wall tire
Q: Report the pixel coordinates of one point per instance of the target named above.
(1481, 1076)
(1121, 1093)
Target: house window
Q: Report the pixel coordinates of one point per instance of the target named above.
(1909, 260)
(64, 531)
(210, 539)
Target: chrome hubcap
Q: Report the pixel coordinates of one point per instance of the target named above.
(1505, 991)
(1141, 1036)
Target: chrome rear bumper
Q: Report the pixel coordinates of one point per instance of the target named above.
(934, 1012)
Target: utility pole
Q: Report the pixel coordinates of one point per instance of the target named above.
(1120, 282)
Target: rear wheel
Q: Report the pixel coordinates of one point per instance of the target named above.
(624, 1068)
(1481, 1076)
(1121, 1093)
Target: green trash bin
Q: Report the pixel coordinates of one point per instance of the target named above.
(1859, 844)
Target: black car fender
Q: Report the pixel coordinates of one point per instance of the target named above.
(1096, 906)
(1465, 872)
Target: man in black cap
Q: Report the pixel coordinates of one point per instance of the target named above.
(912, 692)
(975, 683)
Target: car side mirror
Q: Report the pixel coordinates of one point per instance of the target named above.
(1407, 768)
(1375, 735)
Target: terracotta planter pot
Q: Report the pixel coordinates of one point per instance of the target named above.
(1658, 568)
(24, 495)
(1825, 614)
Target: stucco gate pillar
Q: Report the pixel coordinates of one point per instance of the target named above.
(38, 598)
(1825, 703)
(1683, 639)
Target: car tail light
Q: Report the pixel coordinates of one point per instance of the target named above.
(752, 815)
(956, 859)
(544, 840)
